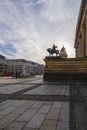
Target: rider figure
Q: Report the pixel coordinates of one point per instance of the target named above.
(54, 47)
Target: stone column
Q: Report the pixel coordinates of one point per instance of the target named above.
(77, 51)
(86, 33)
(83, 42)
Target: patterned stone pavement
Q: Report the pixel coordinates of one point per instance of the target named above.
(32, 104)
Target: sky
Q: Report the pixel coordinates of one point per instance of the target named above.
(29, 27)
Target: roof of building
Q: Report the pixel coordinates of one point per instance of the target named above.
(2, 57)
(22, 60)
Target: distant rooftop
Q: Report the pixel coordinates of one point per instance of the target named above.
(22, 60)
(2, 57)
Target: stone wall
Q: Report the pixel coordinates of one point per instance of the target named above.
(71, 68)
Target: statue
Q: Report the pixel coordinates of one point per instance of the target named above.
(54, 47)
(63, 53)
(53, 50)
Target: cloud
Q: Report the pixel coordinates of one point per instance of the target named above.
(21, 2)
(32, 26)
(1, 41)
(40, 1)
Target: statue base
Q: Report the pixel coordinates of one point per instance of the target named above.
(57, 68)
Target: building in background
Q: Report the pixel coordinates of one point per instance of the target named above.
(3, 65)
(81, 32)
(23, 68)
(19, 67)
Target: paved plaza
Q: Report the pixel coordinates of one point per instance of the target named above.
(32, 104)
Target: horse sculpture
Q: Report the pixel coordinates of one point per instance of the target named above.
(53, 51)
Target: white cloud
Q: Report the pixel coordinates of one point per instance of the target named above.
(21, 2)
(33, 29)
(1, 41)
(40, 1)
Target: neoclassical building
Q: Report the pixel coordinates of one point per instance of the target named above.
(81, 32)
(64, 68)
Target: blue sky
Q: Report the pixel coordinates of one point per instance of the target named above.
(29, 27)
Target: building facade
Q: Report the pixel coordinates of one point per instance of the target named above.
(81, 31)
(19, 67)
(23, 67)
(3, 65)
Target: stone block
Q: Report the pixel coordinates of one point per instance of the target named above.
(7, 110)
(37, 105)
(44, 109)
(67, 92)
(15, 126)
(64, 115)
(62, 91)
(36, 121)
(20, 109)
(48, 103)
(29, 129)
(53, 114)
(27, 115)
(57, 105)
(5, 121)
(18, 102)
(49, 125)
(29, 103)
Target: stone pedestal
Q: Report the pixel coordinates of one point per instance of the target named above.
(57, 68)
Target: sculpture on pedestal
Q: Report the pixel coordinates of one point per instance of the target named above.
(53, 50)
(61, 53)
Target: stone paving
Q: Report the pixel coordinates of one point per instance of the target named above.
(17, 115)
(32, 104)
(4, 80)
(50, 90)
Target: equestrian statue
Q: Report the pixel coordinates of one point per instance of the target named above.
(53, 50)
(61, 53)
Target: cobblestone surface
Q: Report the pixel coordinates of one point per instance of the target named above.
(36, 105)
